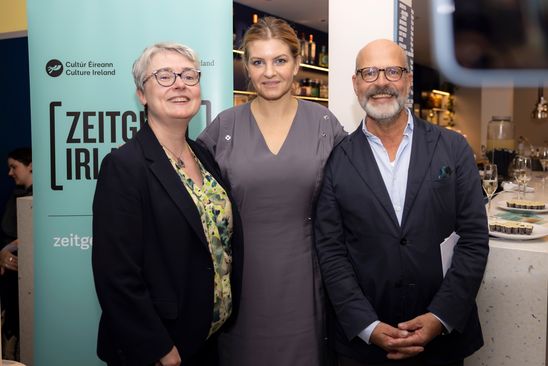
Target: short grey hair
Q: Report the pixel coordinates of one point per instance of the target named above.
(140, 65)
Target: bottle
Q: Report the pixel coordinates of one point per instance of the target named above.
(307, 87)
(302, 87)
(311, 50)
(323, 57)
(304, 49)
(314, 88)
(324, 91)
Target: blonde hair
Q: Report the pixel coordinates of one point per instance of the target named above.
(271, 28)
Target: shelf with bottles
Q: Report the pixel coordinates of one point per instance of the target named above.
(437, 107)
(311, 56)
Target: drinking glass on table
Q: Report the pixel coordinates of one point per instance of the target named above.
(522, 166)
(543, 157)
(489, 182)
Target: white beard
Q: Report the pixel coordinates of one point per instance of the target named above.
(383, 113)
(386, 112)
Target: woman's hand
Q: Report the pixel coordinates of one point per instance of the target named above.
(8, 260)
(171, 359)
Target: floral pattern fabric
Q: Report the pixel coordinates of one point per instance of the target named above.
(215, 211)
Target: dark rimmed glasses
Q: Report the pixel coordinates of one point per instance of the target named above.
(167, 78)
(391, 73)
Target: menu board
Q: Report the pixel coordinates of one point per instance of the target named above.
(405, 31)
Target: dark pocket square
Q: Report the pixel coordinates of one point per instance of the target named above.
(445, 171)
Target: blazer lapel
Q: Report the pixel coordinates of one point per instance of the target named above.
(361, 157)
(425, 138)
(170, 180)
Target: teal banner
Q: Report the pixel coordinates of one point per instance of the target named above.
(83, 105)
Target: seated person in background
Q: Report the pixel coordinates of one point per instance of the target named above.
(20, 169)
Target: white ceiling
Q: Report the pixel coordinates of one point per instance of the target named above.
(314, 14)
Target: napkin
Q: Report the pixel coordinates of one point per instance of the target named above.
(510, 186)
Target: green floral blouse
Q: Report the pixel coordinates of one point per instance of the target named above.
(215, 211)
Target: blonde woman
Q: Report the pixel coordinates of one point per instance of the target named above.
(273, 150)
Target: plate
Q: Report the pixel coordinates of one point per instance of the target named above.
(503, 206)
(538, 232)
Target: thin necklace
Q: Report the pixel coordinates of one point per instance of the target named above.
(179, 163)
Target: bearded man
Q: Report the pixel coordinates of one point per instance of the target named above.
(396, 193)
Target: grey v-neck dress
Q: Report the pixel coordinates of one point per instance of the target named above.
(281, 316)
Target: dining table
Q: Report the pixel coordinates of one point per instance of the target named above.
(513, 297)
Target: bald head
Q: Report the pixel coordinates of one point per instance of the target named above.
(381, 53)
(383, 83)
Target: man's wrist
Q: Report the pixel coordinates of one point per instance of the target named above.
(444, 326)
(365, 334)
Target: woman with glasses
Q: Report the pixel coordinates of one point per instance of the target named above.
(273, 150)
(167, 242)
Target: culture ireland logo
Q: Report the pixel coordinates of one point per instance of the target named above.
(54, 68)
(84, 68)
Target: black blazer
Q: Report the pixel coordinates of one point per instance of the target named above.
(374, 268)
(151, 262)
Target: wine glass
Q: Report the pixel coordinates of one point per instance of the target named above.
(522, 171)
(543, 157)
(489, 182)
(516, 162)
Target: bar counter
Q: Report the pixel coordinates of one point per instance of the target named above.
(513, 298)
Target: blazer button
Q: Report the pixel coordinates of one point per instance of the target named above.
(403, 241)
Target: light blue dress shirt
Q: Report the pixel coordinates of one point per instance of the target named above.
(394, 173)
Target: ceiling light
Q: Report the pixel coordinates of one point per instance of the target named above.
(435, 91)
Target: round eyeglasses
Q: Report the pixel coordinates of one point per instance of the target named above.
(391, 73)
(167, 78)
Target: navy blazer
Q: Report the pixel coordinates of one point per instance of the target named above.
(373, 268)
(151, 261)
